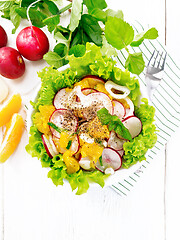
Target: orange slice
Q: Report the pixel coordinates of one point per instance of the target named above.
(12, 106)
(12, 137)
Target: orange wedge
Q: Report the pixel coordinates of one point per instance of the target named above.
(12, 106)
(12, 137)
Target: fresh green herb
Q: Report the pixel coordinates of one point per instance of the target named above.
(59, 130)
(113, 123)
(100, 161)
(69, 144)
(152, 33)
(135, 63)
(101, 26)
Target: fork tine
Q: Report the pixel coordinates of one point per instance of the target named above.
(162, 67)
(151, 58)
(155, 59)
(159, 59)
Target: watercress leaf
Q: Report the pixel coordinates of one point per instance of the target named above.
(135, 63)
(26, 3)
(92, 29)
(52, 7)
(98, 14)
(22, 12)
(52, 22)
(75, 14)
(14, 17)
(107, 49)
(37, 17)
(118, 32)
(90, 4)
(52, 58)
(5, 5)
(78, 50)
(60, 49)
(152, 33)
(112, 13)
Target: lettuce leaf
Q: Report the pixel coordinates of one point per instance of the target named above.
(136, 149)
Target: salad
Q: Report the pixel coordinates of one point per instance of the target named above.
(89, 121)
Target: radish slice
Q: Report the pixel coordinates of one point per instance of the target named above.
(97, 101)
(49, 147)
(60, 99)
(121, 152)
(115, 142)
(110, 159)
(129, 111)
(87, 91)
(133, 124)
(118, 109)
(124, 91)
(53, 145)
(63, 119)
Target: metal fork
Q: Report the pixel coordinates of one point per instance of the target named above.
(155, 66)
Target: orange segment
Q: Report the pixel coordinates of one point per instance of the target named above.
(12, 137)
(12, 106)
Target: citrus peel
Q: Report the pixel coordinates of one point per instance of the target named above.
(12, 137)
(12, 106)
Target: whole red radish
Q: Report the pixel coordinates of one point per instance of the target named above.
(3, 37)
(32, 43)
(11, 63)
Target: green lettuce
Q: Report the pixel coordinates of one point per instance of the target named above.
(95, 63)
(136, 149)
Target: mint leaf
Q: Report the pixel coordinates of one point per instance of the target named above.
(91, 27)
(118, 33)
(75, 14)
(98, 14)
(112, 13)
(52, 22)
(90, 4)
(114, 123)
(52, 58)
(135, 63)
(78, 50)
(14, 17)
(152, 33)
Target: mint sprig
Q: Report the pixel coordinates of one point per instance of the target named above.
(113, 123)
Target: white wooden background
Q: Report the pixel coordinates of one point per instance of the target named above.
(31, 207)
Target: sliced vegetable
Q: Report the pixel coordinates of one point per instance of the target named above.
(65, 120)
(116, 91)
(134, 125)
(110, 158)
(118, 109)
(114, 142)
